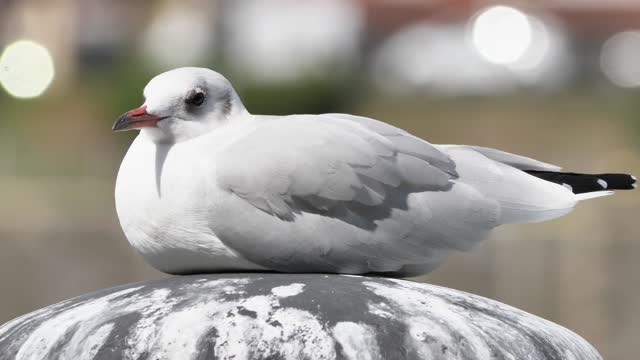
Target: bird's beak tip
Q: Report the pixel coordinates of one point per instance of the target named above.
(135, 119)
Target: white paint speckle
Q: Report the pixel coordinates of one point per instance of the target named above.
(5, 330)
(269, 331)
(259, 304)
(306, 337)
(429, 322)
(420, 305)
(381, 309)
(287, 290)
(91, 344)
(85, 317)
(156, 305)
(244, 328)
(179, 332)
(232, 290)
(358, 341)
(224, 283)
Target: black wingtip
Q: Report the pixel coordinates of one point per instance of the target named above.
(619, 181)
(584, 183)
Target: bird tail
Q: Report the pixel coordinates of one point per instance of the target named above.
(550, 201)
(588, 186)
(528, 190)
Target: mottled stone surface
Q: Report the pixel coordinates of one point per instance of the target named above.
(285, 316)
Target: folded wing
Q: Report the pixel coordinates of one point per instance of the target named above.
(499, 175)
(324, 161)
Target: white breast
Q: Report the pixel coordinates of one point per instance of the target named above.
(163, 199)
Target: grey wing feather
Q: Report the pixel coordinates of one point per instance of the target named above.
(405, 142)
(517, 161)
(326, 161)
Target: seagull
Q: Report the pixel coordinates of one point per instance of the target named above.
(208, 187)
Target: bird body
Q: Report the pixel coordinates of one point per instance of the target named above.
(165, 206)
(208, 187)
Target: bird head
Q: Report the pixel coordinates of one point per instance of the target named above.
(182, 104)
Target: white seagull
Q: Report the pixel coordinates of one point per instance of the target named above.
(208, 187)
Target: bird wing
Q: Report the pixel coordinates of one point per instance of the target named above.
(498, 175)
(517, 161)
(322, 161)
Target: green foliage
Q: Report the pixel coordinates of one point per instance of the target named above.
(310, 96)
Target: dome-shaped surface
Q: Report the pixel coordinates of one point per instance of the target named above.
(285, 316)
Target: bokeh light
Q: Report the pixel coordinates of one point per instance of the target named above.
(501, 34)
(440, 58)
(26, 69)
(538, 47)
(620, 59)
(434, 57)
(547, 62)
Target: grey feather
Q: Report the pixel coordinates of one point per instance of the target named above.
(517, 161)
(420, 174)
(326, 161)
(404, 142)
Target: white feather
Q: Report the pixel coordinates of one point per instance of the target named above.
(523, 198)
(593, 195)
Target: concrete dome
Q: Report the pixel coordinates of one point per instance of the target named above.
(285, 316)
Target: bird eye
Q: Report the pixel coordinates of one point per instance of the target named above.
(195, 97)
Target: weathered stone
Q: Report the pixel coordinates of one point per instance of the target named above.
(285, 316)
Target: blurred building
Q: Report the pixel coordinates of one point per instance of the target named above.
(412, 44)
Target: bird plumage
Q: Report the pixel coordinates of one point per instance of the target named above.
(214, 188)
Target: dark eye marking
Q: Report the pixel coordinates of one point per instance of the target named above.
(195, 97)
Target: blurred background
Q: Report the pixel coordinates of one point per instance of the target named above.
(557, 80)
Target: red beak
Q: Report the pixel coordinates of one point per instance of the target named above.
(135, 119)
